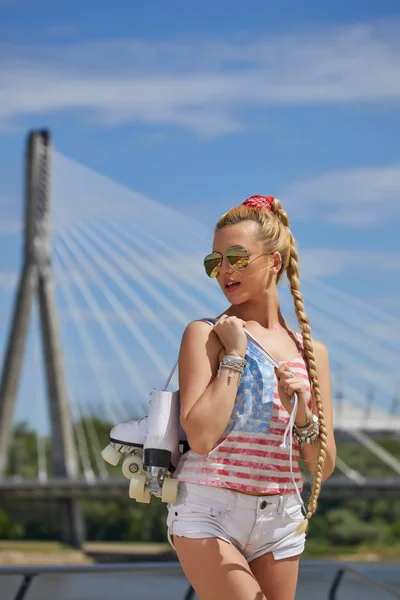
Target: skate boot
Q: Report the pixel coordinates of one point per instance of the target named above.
(161, 450)
(153, 444)
(127, 439)
(152, 447)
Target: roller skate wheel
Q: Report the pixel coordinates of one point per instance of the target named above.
(137, 488)
(131, 466)
(169, 490)
(111, 455)
(144, 498)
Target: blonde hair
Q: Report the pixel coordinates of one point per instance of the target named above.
(276, 235)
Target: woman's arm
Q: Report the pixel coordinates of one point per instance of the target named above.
(310, 451)
(206, 400)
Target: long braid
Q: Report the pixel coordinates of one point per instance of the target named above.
(293, 274)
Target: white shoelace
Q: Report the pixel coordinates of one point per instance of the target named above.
(289, 432)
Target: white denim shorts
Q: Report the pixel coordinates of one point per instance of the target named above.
(254, 524)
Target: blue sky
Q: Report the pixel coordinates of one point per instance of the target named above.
(200, 105)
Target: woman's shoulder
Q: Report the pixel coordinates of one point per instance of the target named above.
(205, 321)
(199, 327)
(320, 350)
(199, 335)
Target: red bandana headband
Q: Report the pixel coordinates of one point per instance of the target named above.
(265, 202)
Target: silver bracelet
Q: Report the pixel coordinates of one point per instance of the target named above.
(237, 359)
(237, 365)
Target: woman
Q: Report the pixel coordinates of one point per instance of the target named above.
(237, 524)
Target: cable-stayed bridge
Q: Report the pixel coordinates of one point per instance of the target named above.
(106, 283)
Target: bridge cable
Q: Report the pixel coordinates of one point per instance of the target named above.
(154, 272)
(193, 273)
(349, 472)
(91, 351)
(131, 371)
(123, 314)
(376, 450)
(119, 261)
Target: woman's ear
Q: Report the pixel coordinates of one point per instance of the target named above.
(277, 262)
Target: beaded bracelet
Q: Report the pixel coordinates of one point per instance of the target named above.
(308, 433)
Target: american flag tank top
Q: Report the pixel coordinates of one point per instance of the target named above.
(250, 457)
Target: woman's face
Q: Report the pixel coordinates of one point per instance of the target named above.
(240, 286)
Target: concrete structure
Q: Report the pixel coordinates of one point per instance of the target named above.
(37, 281)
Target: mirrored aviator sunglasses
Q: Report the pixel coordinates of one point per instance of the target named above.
(237, 256)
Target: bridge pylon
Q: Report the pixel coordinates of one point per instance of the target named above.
(37, 281)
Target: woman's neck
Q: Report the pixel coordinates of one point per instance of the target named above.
(265, 311)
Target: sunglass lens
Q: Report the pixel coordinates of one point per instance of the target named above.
(238, 257)
(212, 264)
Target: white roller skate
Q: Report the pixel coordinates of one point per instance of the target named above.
(153, 445)
(127, 439)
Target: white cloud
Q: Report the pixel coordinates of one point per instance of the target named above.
(357, 197)
(202, 86)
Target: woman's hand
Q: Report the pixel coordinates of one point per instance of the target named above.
(230, 332)
(291, 384)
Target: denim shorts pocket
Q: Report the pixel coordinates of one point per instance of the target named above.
(294, 513)
(191, 510)
(197, 507)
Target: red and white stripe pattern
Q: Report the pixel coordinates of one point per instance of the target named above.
(250, 462)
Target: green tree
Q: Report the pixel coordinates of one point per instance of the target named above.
(346, 529)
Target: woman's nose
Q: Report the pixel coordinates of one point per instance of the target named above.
(226, 266)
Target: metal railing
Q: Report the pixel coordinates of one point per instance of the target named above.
(29, 573)
(116, 487)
